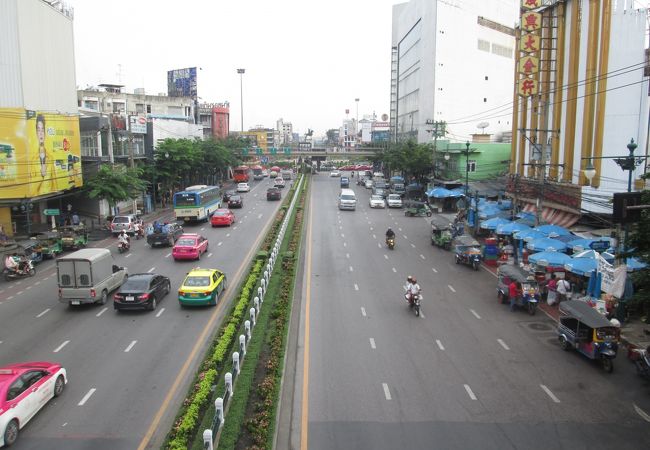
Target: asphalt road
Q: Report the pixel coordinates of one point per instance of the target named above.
(124, 385)
(467, 374)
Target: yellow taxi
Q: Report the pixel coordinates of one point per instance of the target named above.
(202, 287)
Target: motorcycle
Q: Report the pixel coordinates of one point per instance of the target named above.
(139, 233)
(413, 301)
(390, 242)
(123, 247)
(641, 360)
(27, 271)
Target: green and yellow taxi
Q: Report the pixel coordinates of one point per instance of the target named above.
(202, 287)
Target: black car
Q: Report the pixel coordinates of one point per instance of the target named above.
(273, 194)
(228, 194)
(141, 291)
(167, 235)
(235, 201)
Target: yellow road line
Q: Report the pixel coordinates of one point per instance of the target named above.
(208, 327)
(304, 424)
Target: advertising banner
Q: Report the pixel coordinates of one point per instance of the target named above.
(138, 124)
(40, 153)
(182, 82)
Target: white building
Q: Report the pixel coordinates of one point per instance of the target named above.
(452, 61)
(285, 132)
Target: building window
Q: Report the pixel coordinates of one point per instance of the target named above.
(484, 45)
(502, 51)
(484, 100)
(486, 78)
(139, 108)
(471, 166)
(89, 143)
(148, 109)
(91, 104)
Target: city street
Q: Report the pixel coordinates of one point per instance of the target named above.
(129, 371)
(466, 374)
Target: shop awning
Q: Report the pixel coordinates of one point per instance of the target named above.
(554, 216)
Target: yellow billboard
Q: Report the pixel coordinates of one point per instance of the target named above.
(40, 153)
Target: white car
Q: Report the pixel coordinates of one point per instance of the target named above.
(377, 201)
(394, 201)
(335, 173)
(368, 184)
(243, 187)
(265, 173)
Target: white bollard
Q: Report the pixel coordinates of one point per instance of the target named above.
(207, 439)
(235, 362)
(260, 293)
(218, 407)
(247, 327)
(252, 313)
(256, 303)
(228, 381)
(266, 275)
(263, 285)
(242, 345)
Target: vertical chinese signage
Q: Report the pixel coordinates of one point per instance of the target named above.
(529, 46)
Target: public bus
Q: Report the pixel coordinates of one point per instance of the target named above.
(257, 172)
(240, 174)
(197, 203)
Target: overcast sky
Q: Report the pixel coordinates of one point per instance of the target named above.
(306, 60)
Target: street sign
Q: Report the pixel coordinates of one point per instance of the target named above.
(258, 151)
(274, 150)
(600, 246)
(244, 151)
(52, 212)
(287, 150)
(264, 159)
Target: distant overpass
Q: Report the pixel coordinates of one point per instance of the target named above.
(319, 153)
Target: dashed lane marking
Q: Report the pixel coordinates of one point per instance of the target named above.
(356, 287)
(413, 245)
(345, 244)
(451, 288)
(434, 270)
(128, 349)
(405, 236)
(202, 229)
(43, 313)
(259, 216)
(475, 314)
(440, 346)
(209, 255)
(642, 413)
(379, 245)
(549, 393)
(363, 311)
(219, 244)
(151, 270)
(351, 269)
(86, 397)
(160, 312)
(503, 344)
(422, 256)
(228, 235)
(128, 256)
(399, 228)
(386, 391)
(394, 270)
(101, 312)
(347, 255)
(372, 344)
(374, 236)
(168, 255)
(469, 392)
(19, 292)
(58, 349)
(386, 256)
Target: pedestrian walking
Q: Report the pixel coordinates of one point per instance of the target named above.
(75, 218)
(563, 289)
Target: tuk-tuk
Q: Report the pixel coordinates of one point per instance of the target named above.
(468, 251)
(417, 209)
(584, 329)
(51, 244)
(529, 298)
(441, 234)
(74, 237)
(32, 250)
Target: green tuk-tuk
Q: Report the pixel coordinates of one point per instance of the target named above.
(50, 243)
(74, 237)
(416, 209)
(441, 231)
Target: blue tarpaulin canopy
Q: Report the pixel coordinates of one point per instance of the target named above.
(493, 223)
(553, 230)
(581, 244)
(513, 227)
(546, 245)
(529, 235)
(634, 264)
(440, 192)
(552, 259)
(581, 266)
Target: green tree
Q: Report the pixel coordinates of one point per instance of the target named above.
(639, 242)
(115, 183)
(407, 158)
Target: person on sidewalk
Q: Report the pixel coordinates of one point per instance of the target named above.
(551, 290)
(563, 288)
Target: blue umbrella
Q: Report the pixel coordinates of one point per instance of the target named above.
(553, 230)
(634, 264)
(526, 215)
(552, 259)
(529, 235)
(546, 245)
(585, 244)
(491, 211)
(590, 254)
(512, 227)
(581, 266)
(492, 224)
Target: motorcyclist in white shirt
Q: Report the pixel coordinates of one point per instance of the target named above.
(414, 289)
(123, 239)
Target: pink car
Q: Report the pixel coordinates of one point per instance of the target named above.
(189, 246)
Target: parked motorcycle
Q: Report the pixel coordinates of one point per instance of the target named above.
(390, 243)
(642, 361)
(27, 271)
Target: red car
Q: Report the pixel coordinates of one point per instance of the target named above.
(222, 217)
(24, 389)
(189, 246)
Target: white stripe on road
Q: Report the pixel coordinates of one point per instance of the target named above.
(372, 229)
(345, 244)
(374, 236)
(405, 236)
(440, 346)
(469, 392)
(386, 256)
(56, 350)
(412, 245)
(209, 255)
(86, 397)
(394, 270)
(19, 292)
(372, 343)
(475, 314)
(347, 255)
(28, 288)
(128, 349)
(44, 312)
(399, 228)
(550, 394)
(378, 245)
(503, 344)
(202, 229)
(342, 235)
(363, 311)
(35, 284)
(227, 234)
(127, 256)
(168, 255)
(160, 312)
(434, 270)
(340, 228)
(451, 288)
(351, 269)
(101, 312)
(259, 216)
(219, 244)
(235, 227)
(642, 413)
(422, 256)
(10, 297)
(356, 287)
(386, 391)
(151, 270)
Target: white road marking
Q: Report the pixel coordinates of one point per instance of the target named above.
(35, 284)
(422, 256)
(228, 235)
(363, 311)
(475, 314)
(20, 282)
(347, 255)
(10, 297)
(64, 424)
(469, 392)
(127, 256)
(372, 229)
(440, 346)
(160, 312)
(219, 244)
(86, 397)
(386, 391)
(451, 288)
(259, 216)
(128, 349)
(405, 236)
(342, 235)
(202, 228)
(386, 256)
(503, 344)
(434, 270)
(356, 287)
(340, 228)
(351, 269)
(394, 270)
(101, 312)
(378, 245)
(19, 292)
(399, 228)
(151, 270)
(168, 255)
(345, 244)
(28, 288)
(550, 394)
(642, 413)
(56, 350)
(372, 343)
(374, 236)
(209, 255)
(43, 313)
(235, 227)
(413, 245)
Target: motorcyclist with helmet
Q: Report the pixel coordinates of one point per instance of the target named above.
(124, 240)
(390, 234)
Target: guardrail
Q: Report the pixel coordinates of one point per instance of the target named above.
(238, 358)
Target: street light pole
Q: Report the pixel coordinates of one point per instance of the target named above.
(357, 125)
(241, 95)
(466, 168)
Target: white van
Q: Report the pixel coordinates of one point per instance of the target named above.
(88, 276)
(347, 199)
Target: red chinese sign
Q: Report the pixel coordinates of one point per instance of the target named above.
(529, 65)
(529, 43)
(531, 4)
(527, 87)
(531, 21)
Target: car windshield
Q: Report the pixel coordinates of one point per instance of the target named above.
(221, 213)
(394, 197)
(347, 197)
(235, 198)
(196, 281)
(121, 219)
(135, 284)
(376, 197)
(190, 242)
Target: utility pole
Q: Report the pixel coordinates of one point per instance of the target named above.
(438, 130)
